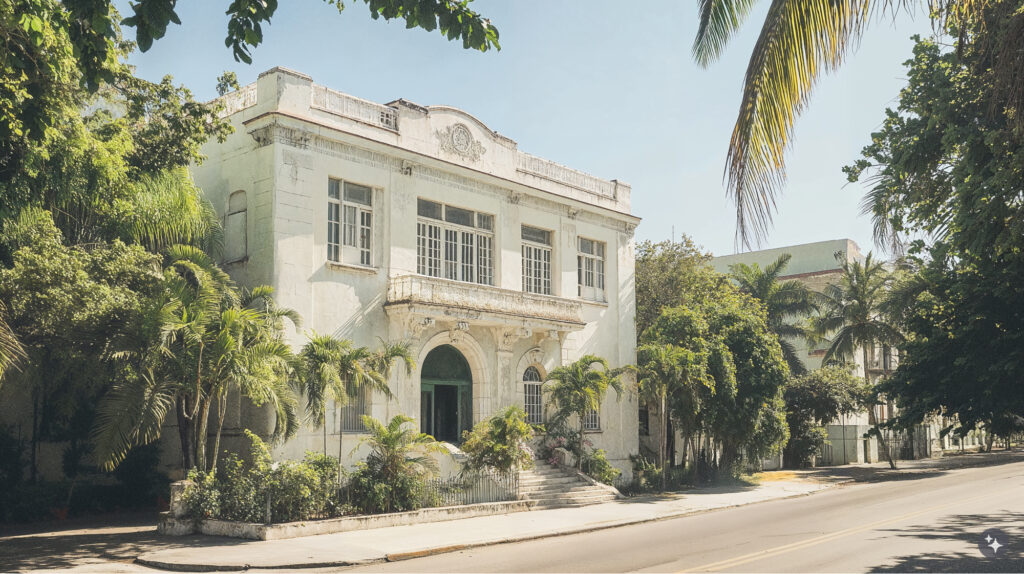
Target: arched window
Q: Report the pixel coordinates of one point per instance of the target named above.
(534, 399)
(236, 228)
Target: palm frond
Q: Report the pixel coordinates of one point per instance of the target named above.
(131, 414)
(719, 20)
(800, 40)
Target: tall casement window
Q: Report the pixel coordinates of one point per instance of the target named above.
(235, 228)
(536, 260)
(590, 269)
(454, 243)
(592, 420)
(534, 399)
(349, 222)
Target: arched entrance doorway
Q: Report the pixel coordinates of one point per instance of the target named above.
(446, 394)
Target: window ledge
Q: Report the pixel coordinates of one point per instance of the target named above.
(237, 261)
(593, 431)
(594, 302)
(351, 267)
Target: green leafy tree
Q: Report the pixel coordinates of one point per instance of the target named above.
(799, 41)
(812, 401)
(578, 388)
(320, 377)
(335, 370)
(70, 307)
(669, 274)
(945, 170)
(852, 320)
(787, 303)
(739, 412)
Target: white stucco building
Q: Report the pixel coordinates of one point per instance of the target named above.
(404, 222)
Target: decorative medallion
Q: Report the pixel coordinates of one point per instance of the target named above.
(457, 139)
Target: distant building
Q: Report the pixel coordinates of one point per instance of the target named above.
(817, 265)
(420, 223)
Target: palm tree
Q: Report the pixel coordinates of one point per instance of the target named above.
(213, 338)
(578, 388)
(398, 451)
(168, 209)
(784, 301)
(320, 377)
(799, 40)
(334, 369)
(660, 374)
(852, 318)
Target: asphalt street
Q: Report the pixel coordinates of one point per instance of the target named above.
(930, 522)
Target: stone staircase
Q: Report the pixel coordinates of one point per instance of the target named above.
(551, 487)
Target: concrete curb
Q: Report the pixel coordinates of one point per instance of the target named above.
(399, 556)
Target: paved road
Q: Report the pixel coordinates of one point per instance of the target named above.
(928, 523)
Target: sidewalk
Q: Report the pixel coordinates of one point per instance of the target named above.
(412, 541)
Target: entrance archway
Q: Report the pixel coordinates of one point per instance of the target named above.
(446, 394)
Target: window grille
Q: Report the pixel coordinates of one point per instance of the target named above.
(349, 222)
(592, 420)
(534, 398)
(353, 411)
(468, 243)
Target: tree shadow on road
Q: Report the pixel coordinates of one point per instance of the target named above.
(967, 530)
(914, 469)
(75, 548)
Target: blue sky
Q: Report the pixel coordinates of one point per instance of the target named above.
(599, 85)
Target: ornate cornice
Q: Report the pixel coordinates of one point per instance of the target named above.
(277, 133)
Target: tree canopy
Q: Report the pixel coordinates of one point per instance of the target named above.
(946, 170)
(739, 406)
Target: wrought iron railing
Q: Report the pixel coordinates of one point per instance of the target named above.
(472, 488)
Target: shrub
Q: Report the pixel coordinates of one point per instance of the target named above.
(500, 442)
(596, 466)
(240, 490)
(202, 497)
(393, 478)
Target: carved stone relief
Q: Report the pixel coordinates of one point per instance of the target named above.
(457, 139)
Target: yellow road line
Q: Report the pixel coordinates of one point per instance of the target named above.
(770, 552)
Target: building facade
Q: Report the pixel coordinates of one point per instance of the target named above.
(403, 222)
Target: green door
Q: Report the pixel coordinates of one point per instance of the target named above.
(446, 395)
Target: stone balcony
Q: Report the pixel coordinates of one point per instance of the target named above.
(434, 299)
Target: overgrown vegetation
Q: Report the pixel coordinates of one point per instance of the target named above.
(257, 489)
(500, 443)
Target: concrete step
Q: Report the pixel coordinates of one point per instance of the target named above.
(572, 503)
(543, 472)
(552, 487)
(573, 493)
(548, 480)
